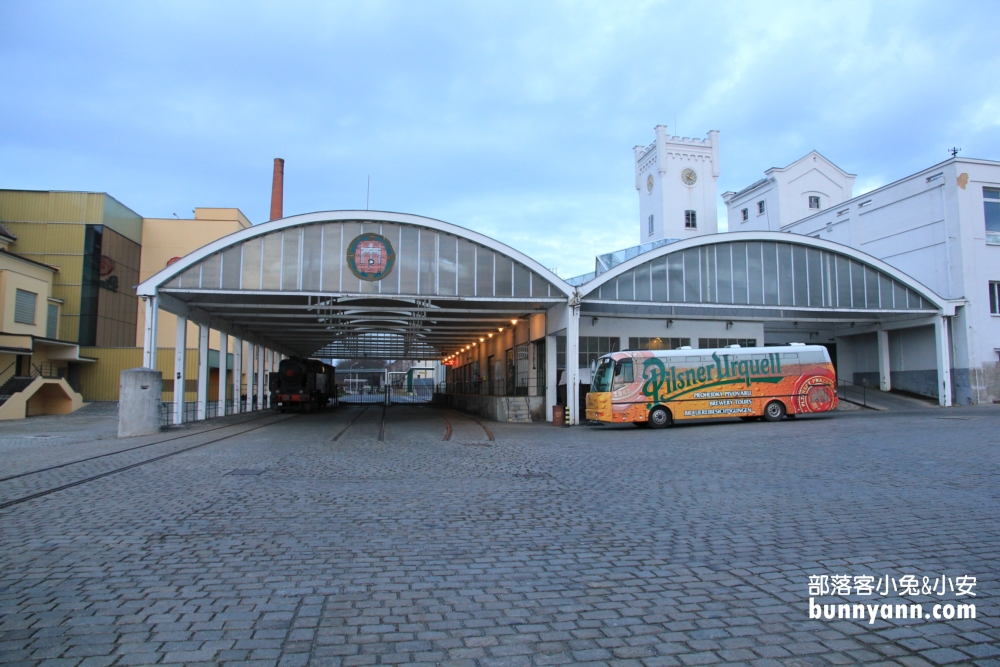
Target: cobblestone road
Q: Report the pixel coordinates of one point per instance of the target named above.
(596, 545)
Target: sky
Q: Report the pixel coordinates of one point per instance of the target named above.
(513, 119)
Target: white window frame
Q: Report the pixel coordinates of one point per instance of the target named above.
(50, 321)
(690, 219)
(761, 208)
(650, 225)
(814, 199)
(34, 306)
(746, 214)
(995, 298)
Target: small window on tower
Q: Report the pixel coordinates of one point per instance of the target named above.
(650, 225)
(746, 214)
(760, 207)
(690, 220)
(814, 202)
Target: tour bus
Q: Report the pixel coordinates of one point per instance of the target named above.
(655, 387)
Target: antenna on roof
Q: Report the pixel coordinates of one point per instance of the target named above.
(954, 151)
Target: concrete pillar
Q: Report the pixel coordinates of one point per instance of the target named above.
(140, 393)
(551, 376)
(261, 379)
(943, 345)
(223, 363)
(149, 334)
(237, 374)
(573, 365)
(180, 376)
(202, 408)
(885, 384)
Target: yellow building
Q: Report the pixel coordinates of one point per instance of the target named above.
(34, 363)
(94, 241)
(96, 251)
(166, 240)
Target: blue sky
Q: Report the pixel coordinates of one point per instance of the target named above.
(513, 119)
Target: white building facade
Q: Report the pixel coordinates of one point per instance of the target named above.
(787, 194)
(940, 226)
(676, 180)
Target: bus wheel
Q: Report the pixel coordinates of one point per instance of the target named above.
(658, 418)
(774, 412)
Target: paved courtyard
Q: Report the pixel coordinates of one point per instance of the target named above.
(308, 540)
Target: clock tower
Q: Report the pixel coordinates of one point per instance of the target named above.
(676, 180)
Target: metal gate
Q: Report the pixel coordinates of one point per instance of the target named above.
(413, 386)
(362, 387)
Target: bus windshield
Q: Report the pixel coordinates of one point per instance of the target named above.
(602, 377)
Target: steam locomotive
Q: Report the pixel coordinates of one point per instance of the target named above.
(302, 384)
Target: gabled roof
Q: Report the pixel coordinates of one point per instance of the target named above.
(804, 157)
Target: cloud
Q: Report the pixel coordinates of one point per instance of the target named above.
(516, 119)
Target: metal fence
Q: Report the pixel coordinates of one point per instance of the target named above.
(212, 410)
(487, 388)
(422, 393)
(853, 393)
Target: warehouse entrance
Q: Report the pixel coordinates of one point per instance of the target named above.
(363, 285)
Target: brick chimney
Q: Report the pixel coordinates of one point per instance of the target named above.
(278, 189)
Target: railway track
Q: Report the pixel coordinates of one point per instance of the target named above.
(90, 478)
(383, 422)
(448, 431)
(127, 449)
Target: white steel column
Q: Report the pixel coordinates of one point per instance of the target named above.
(884, 382)
(223, 363)
(943, 345)
(180, 361)
(573, 365)
(149, 334)
(237, 374)
(261, 380)
(551, 375)
(202, 409)
(251, 374)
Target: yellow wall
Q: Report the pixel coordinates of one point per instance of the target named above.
(90, 208)
(59, 245)
(16, 274)
(164, 239)
(99, 381)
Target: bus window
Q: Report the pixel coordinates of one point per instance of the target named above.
(623, 374)
(602, 378)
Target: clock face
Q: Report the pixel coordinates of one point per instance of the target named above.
(689, 177)
(649, 184)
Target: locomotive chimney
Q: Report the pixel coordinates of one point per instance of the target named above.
(278, 189)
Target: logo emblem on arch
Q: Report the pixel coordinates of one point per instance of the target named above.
(371, 257)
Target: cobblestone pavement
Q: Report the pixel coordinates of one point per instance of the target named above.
(597, 545)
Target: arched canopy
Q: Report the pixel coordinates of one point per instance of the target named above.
(358, 283)
(761, 270)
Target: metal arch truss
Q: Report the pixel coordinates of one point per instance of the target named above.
(358, 326)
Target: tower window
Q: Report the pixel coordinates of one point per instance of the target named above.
(814, 202)
(760, 207)
(746, 214)
(995, 298)
(690, 220)
(650, 225)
